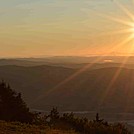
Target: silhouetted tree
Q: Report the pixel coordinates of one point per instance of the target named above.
(54, 116)
(12, 107)
(98, 118)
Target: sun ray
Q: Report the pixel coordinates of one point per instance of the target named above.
(120, 21)
(126, 11)
(122, 43)
(131, 37)
(73, 76)
(130, 30)
(109, 17)
(122, 31)
(129, 97)
(116, 75)
(80, 71)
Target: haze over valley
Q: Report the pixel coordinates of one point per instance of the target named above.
(72, 86)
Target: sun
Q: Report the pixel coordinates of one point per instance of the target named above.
(127, 29)
(130, 23)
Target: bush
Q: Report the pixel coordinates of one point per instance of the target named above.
(84, 126)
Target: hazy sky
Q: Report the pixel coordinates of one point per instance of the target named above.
(61, 27)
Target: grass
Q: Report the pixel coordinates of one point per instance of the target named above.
(19, 128)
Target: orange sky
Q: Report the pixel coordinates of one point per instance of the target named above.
(33, 28)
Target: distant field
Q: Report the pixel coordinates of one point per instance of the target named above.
(18, 128)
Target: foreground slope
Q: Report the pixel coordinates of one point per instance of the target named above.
(18, 128)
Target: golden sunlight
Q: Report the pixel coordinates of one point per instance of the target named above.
(132, 30)
(129, 31)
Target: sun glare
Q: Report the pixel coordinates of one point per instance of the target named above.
(130, 38)
(127, 27)
(129, 31)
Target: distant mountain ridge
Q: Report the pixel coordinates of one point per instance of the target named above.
(67, 59)
(74, 63)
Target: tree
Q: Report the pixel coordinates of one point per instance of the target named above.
(54, 116)
(12, 107)
(98, 119)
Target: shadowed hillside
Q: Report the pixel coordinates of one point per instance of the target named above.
(94, 90)
(90, 90)
(32, 81)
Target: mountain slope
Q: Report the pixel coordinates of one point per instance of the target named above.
(46, 86)
(30, 81)
(94, 90)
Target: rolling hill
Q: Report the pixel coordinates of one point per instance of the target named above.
(46, 86)
(94, 90)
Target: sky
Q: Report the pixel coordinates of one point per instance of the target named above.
(37, 28)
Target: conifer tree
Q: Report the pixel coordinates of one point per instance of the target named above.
(12, 107)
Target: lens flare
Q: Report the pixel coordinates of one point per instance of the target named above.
(129, 31)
